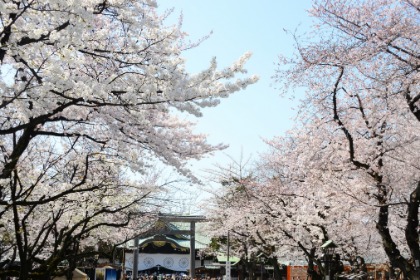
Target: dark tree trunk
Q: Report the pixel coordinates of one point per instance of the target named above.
(251, 270)
(412, 270)
(412, 230)
(274, 262)
(312, 273)
(408, 268)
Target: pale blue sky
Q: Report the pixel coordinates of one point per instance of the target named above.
(238, 26)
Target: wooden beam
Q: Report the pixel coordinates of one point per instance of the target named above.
(185, 219)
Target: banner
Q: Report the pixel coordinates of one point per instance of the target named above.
(110, 274)
(175, 262)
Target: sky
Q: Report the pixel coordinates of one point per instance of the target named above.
(244, 119)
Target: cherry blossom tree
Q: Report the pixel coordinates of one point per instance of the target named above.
(309, 202)
(89, 94)
(349, 169)
(276, 212)
(362, 106)
(230, 214)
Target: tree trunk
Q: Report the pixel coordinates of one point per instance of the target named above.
(394, 255)
(251, 270)
(411, 232)
(312, 273)
(276, 268)
(24, 270)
